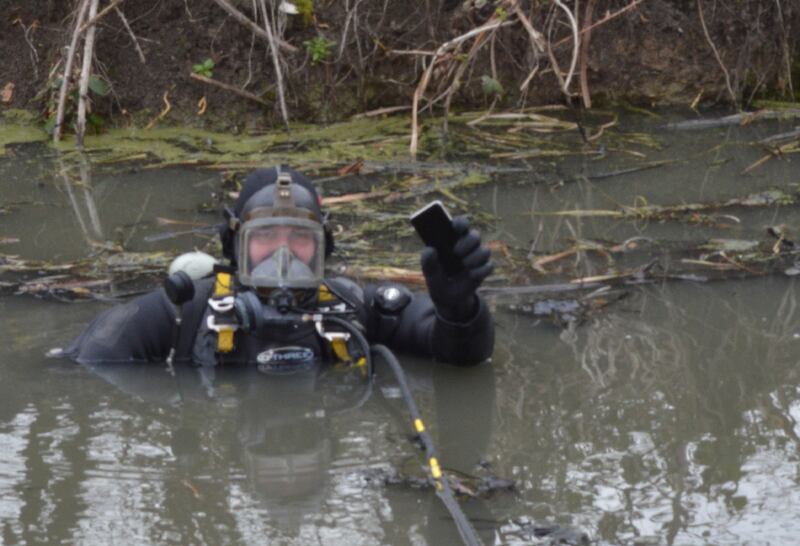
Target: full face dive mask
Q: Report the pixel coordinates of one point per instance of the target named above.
(281, 247)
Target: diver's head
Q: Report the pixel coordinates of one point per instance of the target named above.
(275, 234)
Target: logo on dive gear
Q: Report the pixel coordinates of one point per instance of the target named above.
(285, 359)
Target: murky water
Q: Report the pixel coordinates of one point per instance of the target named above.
(670, 417)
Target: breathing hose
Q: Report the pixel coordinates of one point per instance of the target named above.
(441, 486)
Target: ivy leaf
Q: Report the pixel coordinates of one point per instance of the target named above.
(99, 86)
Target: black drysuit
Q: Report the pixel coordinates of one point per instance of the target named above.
(142, 330)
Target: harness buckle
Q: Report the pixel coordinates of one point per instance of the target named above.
(330, 336)
(221, 305)
(220, 327)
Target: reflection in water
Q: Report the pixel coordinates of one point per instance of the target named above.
(675, 419)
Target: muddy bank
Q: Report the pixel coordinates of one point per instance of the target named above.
(164, 59)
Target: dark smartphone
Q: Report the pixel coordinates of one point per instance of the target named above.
(435, 227)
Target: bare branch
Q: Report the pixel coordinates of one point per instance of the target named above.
(716, 53)
(62, 94)
(246, 21)
(86, 71)
(132, 35)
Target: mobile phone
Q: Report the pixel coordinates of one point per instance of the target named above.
(435, 227)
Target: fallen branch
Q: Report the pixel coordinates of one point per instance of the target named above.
(742, 118)
(62, 94)
(231, 88)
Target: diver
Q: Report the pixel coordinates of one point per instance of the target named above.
(273, 307)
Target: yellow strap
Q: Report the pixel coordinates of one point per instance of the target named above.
(222, 288)
(222, 284)
(419, 425)
(436, 472)
(225, 341)
(340, 350)
(325, 294)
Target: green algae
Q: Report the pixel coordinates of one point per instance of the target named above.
(16, 134)
(305, 145)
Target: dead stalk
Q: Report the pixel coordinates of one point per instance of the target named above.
(576, 47)
(716, 52)
(62, 94)
(584, 55)
(86, 70)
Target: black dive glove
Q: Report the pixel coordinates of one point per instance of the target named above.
(454, 297)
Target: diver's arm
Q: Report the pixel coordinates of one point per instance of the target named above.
(409, 322)
(137, 331)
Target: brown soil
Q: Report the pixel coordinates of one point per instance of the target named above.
(656, 53)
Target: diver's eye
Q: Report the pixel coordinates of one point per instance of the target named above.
(302, 237)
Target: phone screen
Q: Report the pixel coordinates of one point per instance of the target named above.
(435, 228)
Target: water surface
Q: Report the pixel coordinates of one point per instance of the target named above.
(669, 417)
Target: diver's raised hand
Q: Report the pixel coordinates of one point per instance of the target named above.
(454, 296)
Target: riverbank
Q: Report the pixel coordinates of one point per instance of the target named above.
(164, 62)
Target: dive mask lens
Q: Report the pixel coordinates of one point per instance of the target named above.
(282, 253)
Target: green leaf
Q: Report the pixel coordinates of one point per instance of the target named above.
(99, 86)
(491, 86)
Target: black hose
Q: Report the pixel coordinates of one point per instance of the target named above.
(468, 534)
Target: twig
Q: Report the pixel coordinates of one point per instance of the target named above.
(456, 81)
(602, 21)
(62, 94)
(244, 20)
(276, 62)
(584, 55)
(132, 35)
(93, 19)
(27, 32)
(86, 70)
(381, 111)
(426, 76)
(537, 43)
(716, 53)
(231, 88)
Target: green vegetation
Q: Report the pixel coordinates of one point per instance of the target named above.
(205, 69)
(318, 48)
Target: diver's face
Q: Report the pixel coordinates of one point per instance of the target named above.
(266, 241)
